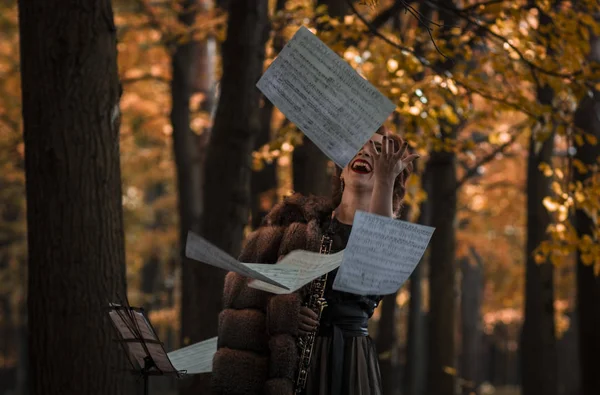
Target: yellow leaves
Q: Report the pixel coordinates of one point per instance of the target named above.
(579, 166)
(499, 137)
(545, 169)
(449, 370)
(392, 65)
(550, 204)
(559, 173)
(448, 113)
(557, 189)
(369, 3)
(591, 139)
(587, 259)
(563, 213)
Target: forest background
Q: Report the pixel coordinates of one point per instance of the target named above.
(499, 97)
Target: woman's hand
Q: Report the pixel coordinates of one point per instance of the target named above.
(389, 163)
(308, 321)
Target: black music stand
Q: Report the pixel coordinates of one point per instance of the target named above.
(144, 350)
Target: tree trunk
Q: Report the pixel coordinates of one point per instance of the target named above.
(386, 344)
(415, 343)
(441, 168)
(310, 170)
(538, 347)
(471, 334)
(71, 93)
(263, 186)
(21, 330)
(228, 164)
(193, 66)
(588, 284)
(441, 344)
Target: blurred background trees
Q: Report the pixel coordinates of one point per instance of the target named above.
(499, 97)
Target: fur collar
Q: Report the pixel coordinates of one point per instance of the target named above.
(299, 208)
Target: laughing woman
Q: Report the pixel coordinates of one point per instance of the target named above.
(258, 332)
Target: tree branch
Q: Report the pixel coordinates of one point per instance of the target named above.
(375, 31)
(482, 4)
(426, 64)
(154, 20)
(388, 13)
(464, 15)
(488, 158)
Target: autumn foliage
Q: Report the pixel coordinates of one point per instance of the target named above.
(478, 76)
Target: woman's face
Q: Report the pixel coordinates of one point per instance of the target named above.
(358, 174)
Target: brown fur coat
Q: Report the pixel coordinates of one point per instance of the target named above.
(257, 352)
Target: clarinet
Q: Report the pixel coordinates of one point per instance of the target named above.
(316, 302)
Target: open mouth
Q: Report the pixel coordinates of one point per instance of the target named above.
(361, 166)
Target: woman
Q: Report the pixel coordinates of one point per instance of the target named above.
(258, 332)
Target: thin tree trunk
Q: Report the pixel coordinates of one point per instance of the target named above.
(415, 343)
(441, 344)
(386, 344)
(228, 164)
(263, 185)
(71, 93)
(20, 328)
(538, 342)
(588, 285)
(193, 65)
(441, 168)
(471, 334)
(264, 181)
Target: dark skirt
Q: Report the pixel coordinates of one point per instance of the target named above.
(360, 367)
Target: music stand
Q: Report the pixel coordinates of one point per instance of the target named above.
(144, 350)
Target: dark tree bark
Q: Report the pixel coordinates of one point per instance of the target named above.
(441, 344)
(588, 284)
(415, 344)
(228, 164)
(311, 173)
(416, 338)
(442, 192)
(264, 182)
(71, 93)
(538, 342)
(193, 65)
(386, 344)
(471, 322)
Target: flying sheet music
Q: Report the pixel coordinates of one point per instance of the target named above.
(133, 328)
(381, 254)
(196, 358)
(324, 96)
(295, 270)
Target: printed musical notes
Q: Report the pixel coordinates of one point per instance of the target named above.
(196, 358)
(322, 94)
(295, 270)
(381, 254)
